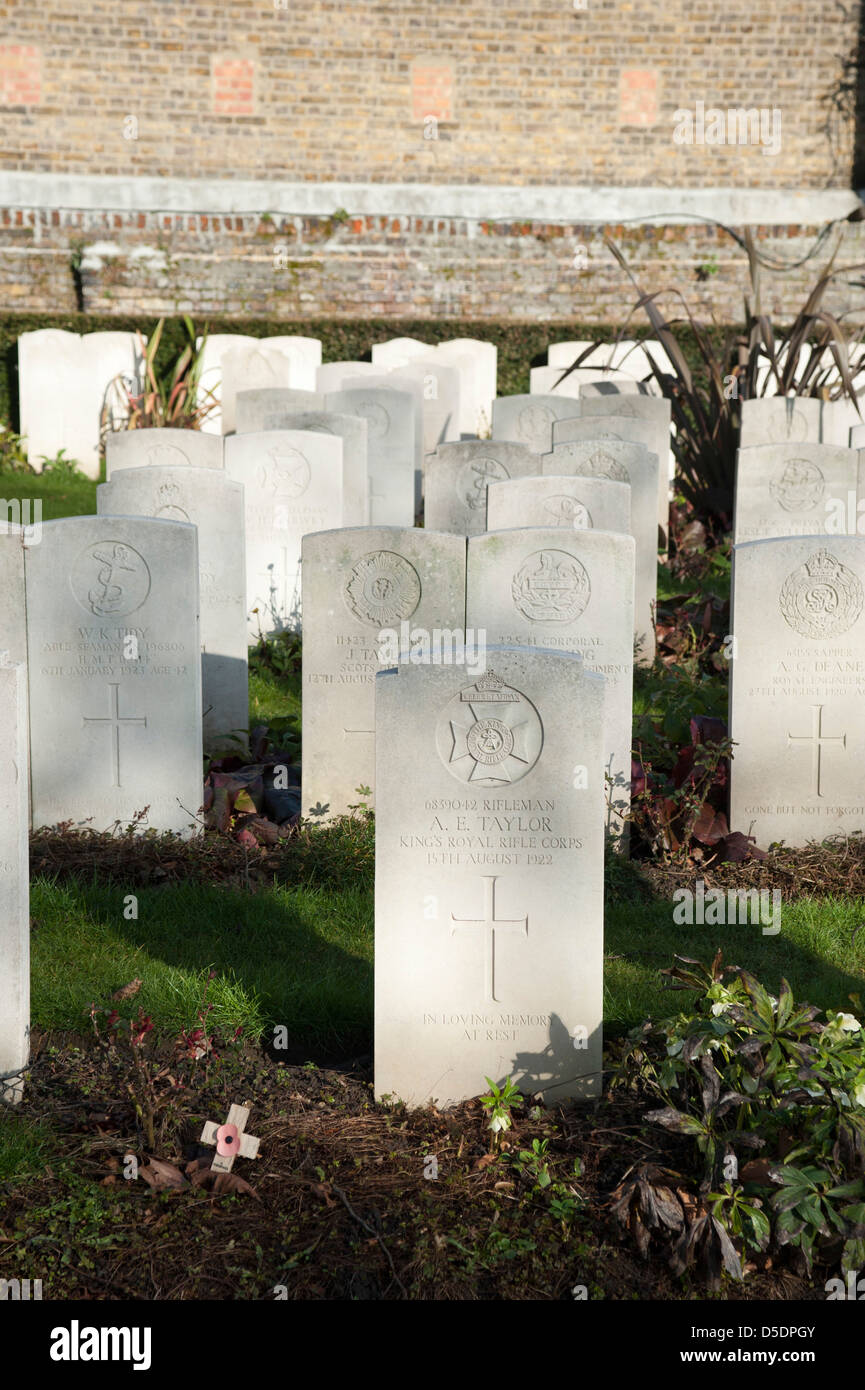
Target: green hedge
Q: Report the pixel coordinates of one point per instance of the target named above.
(520, 345)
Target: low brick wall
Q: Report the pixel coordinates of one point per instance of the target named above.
(351, 266)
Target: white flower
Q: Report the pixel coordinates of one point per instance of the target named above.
(720, 1008)
(847, 1023)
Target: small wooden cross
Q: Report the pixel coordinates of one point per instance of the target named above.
(230, 1139)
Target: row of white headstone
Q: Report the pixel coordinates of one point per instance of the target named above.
(73, 386)
(797, 688)
(120, 639)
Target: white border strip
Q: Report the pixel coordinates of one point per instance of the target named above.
(474, 202)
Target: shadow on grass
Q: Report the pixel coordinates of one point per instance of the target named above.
(295, 958)
(301, 959)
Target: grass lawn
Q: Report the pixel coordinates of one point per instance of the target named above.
(302, 957)
(61, 493)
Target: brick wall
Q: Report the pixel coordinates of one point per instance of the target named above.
(357, 267)
(547, 93)
(535, 91)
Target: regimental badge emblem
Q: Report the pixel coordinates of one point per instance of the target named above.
(787, 427)
(473, 480)
(168, 500)
(377, 417)
(382, 589)
(489, 734)
(110, 579)
(289, 474)
(255, 372)
(602, 464)
(535, 420)
(822, 598)
(568, 511)
(551, 587)
(798, 486)
(166, 456)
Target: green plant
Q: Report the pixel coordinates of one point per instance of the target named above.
(499, 1102)
(13, 452)
(532, 1163)
(812, 358)
(171, 395)
(744, 1070)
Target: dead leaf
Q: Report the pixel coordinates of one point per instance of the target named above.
(202, 1175)
(128, 990)
(161, 1175)
(756, 1170)
(483, 1162)
(230, 1182)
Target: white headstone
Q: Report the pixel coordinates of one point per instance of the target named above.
(356, 583)
(13, 613)
(161, 448)
(649, 418)
(115, 673)
(840, 417)
(233, 362)
(352, 430)
(456, 478)
(252, 367)
(477, 362)
(624, 463)
(439, 397)
(332, 376)
(628, 355)
(14, 882)
(407, 385)
(210, 501)
(529, 420)
(68, 385)
(395, 352)
(390, 416)
(550, 381)
(781, 420)
(270, 407)
(570, 592)
(796, 689)
(489, 878)
(792, 489)
(568, 502)
(292, 481)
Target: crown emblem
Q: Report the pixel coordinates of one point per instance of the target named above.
(489, 681)
(822, 566)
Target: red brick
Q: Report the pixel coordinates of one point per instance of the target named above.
(638, 96)
(20, 75)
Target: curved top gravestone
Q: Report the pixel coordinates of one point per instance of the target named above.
(161, 448)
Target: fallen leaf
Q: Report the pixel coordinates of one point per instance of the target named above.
(128, 990)
(483, 1162)
(161, 1175)
(756, 1170)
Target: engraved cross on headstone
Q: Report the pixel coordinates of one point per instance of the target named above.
(816, 738)
(114, 721)
(492, 924)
